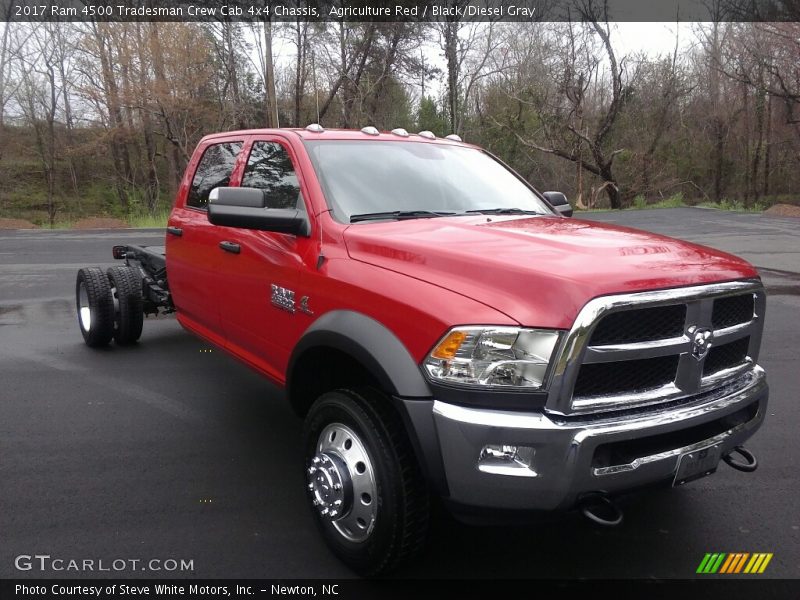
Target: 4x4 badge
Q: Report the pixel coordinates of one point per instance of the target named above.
(702, 340)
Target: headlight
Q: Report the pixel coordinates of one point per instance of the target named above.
(508, 357)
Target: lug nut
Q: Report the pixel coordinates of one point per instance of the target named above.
(338, 503)
(337, 486)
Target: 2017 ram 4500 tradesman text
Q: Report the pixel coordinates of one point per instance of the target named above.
(445, 331)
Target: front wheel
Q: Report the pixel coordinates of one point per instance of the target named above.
(365, 487)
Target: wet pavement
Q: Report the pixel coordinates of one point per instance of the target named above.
(165, 450)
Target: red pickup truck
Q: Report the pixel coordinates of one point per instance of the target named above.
(445, 331)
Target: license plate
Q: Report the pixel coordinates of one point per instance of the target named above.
(697, 463)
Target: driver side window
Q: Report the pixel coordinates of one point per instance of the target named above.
(269, 168)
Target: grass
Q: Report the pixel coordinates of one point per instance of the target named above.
(59, 225)
(641, 203)
(677, 201)
(137, 221)
(674, 201)
(158, 220)
(734, 205)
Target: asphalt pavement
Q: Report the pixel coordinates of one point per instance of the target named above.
(171, 450)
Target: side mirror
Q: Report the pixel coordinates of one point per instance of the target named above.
(559, 201)
(244, 208)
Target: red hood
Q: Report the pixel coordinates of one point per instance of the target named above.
(539, 271)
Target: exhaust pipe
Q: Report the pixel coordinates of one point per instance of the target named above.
(750, 463)
(600, 509)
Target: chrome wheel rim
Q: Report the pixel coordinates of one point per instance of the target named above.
(341, 481)
(84, 312)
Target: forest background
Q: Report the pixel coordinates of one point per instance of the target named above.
(100, 119)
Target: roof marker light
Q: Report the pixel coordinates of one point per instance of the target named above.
(370, 130)
(427, 134)
(454, 137)
(315, 128)
(400, 131)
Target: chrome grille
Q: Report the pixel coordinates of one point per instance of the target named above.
(602, 379)
(652, 347)
(640, 325)
(732, 311)
(726, 356)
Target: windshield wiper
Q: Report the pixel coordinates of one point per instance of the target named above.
(400, 214)
(503, 211)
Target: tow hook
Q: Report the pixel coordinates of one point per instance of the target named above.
(750, 464)
(599, 508)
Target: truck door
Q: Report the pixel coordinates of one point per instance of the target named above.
(260, 304)
(193, 256)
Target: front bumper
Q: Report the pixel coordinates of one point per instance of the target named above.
(577, 456)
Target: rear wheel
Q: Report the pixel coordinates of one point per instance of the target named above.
(126, 290)
(365, 487)
(95, 307)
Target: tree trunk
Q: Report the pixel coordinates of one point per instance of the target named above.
(612, 191)
(768, 147)
(759, 115)
(300, 69)
(746, 103)
(718, 157)
(386, 70)
(451, 56)
(717, 125)
(171, 151)
(119, 150)
(269, 77)
(152, 185)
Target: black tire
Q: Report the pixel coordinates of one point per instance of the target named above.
(126, 286)
(402, 507)
(95, 307)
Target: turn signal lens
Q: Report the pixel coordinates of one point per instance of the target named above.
(448, 347)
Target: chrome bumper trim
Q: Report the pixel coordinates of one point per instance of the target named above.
(632, 466)
(565, 447)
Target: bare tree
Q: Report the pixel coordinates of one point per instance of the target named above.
(471, 52)
(300, 38)
(38, 97)
(580, 113)
(345, 48)
(271, 108)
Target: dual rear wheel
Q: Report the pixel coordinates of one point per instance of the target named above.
(109, 305)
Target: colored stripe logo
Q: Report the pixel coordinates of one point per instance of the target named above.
(734, 562)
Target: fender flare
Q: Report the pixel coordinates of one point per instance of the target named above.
(370, 343)
(386, 357)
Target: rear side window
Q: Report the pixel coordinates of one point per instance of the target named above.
(269, 168)
(214, 170)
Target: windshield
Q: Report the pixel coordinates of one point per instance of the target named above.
(366, 177)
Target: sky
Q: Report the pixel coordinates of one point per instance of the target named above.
(653, 38)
